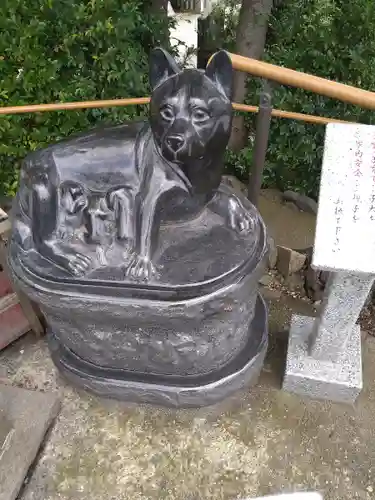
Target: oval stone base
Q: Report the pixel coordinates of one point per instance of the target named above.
(177, 392)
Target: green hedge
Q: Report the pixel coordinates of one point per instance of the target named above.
(333, 39)
(68, 50)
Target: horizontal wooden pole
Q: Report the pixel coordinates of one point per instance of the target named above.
(39, 108)
(279, 113)
(321, 86)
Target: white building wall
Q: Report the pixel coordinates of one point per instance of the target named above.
(184, 35)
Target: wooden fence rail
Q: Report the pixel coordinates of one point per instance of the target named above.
(109, 103)
(285, 76)
(321, 86)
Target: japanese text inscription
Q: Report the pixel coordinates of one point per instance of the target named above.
(345, 232)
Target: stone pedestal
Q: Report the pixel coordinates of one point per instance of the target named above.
(324, 354)
(193, 342)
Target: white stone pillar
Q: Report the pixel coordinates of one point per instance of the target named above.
(184, 36)
(324, 354)
(343, 301)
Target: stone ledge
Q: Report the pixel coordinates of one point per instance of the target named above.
(340, 382)
(30, 414)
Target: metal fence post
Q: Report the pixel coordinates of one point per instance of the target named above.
(263, 122)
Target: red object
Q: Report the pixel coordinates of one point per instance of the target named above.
(13, 325)
(13, 322)
(5, 286)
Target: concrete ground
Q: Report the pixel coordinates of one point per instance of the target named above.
(263, 441)
(260, 442)
(287, 225)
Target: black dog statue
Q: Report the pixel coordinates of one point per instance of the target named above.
(117, 185)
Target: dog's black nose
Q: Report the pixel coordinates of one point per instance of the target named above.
(175, 142)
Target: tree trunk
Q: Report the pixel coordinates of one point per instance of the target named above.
(250, 40)
(160, 6)
(160, 35)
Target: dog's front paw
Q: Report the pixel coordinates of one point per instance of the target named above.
(78, 264)
(127, 247)
(140, 268)
(240, 220)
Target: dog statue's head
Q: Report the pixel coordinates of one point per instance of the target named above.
(190, 110)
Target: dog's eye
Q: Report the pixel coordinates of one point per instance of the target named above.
(200, 115)
(166, 113)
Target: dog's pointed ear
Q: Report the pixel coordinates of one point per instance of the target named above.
(162, 66)
(220, 70)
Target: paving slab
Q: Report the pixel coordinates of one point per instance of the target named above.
(292, 496)
(25, 417)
